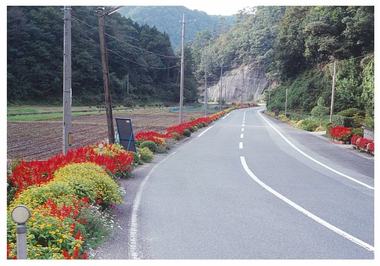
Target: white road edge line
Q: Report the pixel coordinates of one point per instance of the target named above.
(311, 158)
(133, 250)
(240, 145)
(304, 211)
(226, 115)
(201, 134)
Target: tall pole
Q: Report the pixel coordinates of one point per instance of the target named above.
(333, 91)
(67, 90)
(128, 84)
(206, 92)
(182, 70)
(286, 101)
(221, 87)
(243, 86)
(106, 82)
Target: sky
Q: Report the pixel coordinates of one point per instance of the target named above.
(211, 7)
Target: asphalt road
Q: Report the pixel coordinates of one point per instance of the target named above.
(282, 193)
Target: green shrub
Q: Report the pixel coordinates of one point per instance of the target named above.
(193, 129)
(357, 131)
(358, 120)
(90, 180)
(42, 244)
(283, 118)
(136, 158)
(338, 120)
(150, 145)
(176, 136)
(146, 154)
(187, 133)
(350, 112)
(369, 122)
(99, 224)
(161, 148)
(308, 124)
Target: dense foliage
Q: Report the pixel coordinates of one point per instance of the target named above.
(167, 19)
(140, 54)
(296, 46)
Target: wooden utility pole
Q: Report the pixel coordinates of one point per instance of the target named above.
(221, 87)
(182, 70)
(243, 86)
(128, 85)
(206, 93)
(286, 101)
(106, 82)
(333, 91)
(67, 90)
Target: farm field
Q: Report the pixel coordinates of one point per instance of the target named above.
(32, 139)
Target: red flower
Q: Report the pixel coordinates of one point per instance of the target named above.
(340, 133)
(354, 138)
(66, 254)
(371, 147)
(362, 143)
(30, 173)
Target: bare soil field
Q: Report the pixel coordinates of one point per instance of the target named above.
(39, 140)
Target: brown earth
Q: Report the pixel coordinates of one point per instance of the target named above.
(42, 139)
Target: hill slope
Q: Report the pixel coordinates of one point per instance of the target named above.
(167, 19)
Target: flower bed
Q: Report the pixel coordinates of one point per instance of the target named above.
(70, 195)
(363, 144)
(154, 136)
(111, 157)
(340, 133)
(59, 227)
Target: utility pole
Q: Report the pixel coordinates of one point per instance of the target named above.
(128, 85)
(243, 86)
(67, 90)
(182, 70)
(286, 101)
(221, 87)
(106, 82)
(206, 92)
(333, 91)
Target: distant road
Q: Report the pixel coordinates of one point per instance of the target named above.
(253, 188)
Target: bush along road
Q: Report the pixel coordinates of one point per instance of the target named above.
(72, 196)
(251, 187)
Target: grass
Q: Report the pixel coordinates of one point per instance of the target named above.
(46, 116)
(30, 113)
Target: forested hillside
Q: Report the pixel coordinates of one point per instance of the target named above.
(35, 47)
(167, 19)
(296, 47)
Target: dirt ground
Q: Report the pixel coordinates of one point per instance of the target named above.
(42, 139)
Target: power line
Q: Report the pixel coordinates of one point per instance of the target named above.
(127, 43)
(127, 59)
(146, 66)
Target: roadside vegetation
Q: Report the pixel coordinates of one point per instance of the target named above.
(72, 196)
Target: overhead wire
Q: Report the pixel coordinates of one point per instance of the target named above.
(125, 42)
(130, 60)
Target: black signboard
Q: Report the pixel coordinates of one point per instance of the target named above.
(124, 128)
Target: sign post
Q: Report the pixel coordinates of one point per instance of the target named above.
(125, 131)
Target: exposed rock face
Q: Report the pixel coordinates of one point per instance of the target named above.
(236, 89)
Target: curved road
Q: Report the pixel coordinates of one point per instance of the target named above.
(250, 187)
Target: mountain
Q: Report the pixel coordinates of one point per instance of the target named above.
(139, 55)
(277, 49)
(167, 19)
